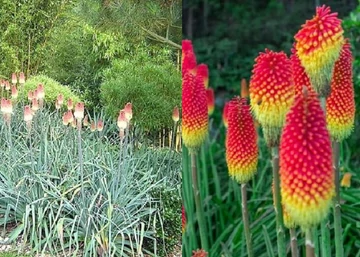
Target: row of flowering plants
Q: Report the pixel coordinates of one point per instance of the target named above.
(304, 107)
(73, 184)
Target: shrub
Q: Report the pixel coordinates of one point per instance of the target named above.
(52, 89)
(152, 86)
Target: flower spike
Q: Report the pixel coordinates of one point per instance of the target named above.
(194, 111)
(306, 173)
(188, 58)
(340, 105)
(318, 45)
(271, 93)
(241, 142)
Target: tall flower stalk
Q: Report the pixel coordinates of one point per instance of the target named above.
(340, 114)
(327, 60)
(307, 177)
(271, 95)
(242, 154)
(176, 118)
(194, 123)
(79, 115)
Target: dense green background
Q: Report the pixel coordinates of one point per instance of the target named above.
(76, 42)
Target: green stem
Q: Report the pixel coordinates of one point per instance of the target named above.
(81, 161)
(325, 233)
(337, 211)
(199, 210)
(174, 136)
(325, 239)
(293, 243)
(310, 246)
(245, 217)
(278, 208)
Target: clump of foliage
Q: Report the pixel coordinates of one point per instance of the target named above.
(24, 33)
(52, 89)
(104, 208)
(149, 81)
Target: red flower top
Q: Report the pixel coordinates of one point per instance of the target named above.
(210, 100)
(340, 105)
(300, 77)
(188, 57)
(271, 92)
(306, 173)
(241, 141)
(225, 114)
(318, 45)
(194, 111)
(203, 72)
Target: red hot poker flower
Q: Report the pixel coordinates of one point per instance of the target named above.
(100, 125)
(22, 78)
(340, 105)
(34, 105)
(60, 99)
(194, 111)
(300, 77)
(28, 115)
(79, 111)
(14, 92)
(306, 173)
(271, 93)
(318, 45)
(210, 100)
(128, 111)
(188, 58)
(203, 71)
(176, 114)
(122, 121)
(241, 142)
(225, 114)
(6, 106)
(183, 218)
(92, 126)
(41, 92)
(13, 78)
